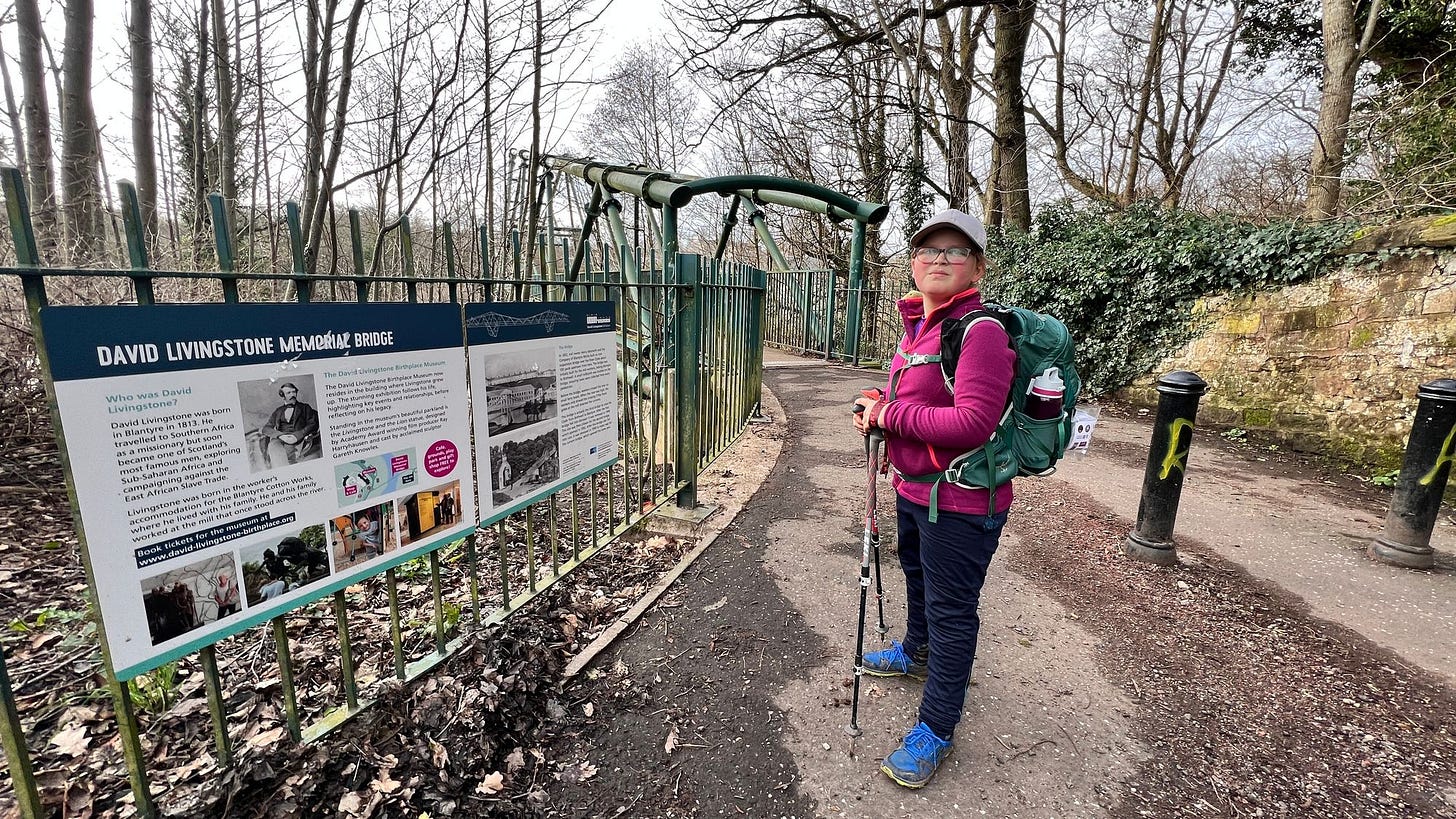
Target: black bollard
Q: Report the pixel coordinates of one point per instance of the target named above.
(1152, 539)
(1429, 453)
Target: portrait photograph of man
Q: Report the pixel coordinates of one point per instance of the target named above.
(281, 422)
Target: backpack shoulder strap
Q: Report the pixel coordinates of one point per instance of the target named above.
(953, 334)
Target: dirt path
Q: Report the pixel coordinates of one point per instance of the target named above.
(748, 662)
(1103, 687)
(1296, 521)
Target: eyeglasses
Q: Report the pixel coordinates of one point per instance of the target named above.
(954, 255)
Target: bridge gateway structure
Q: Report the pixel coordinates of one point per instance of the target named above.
(685, 325)
(803, 311)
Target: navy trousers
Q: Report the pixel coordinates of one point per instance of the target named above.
(945, 566)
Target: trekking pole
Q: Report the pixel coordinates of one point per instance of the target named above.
(872, 521)
(871, 543)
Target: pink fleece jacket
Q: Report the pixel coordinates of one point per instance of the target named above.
(925, 426)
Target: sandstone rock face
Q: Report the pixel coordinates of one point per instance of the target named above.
(1329, 366)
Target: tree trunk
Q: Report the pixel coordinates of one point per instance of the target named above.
(143, 103)
(1342, 62)
(956, 88)
(1152, 74)
(314, 222)
(36, 111)
(316, 55)
(200, 171)
(12, 112)
(1011, 181)
(80, 185)
(533, 157)
(496, 267)
(227, 108)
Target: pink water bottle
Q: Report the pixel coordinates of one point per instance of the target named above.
(1044, 398)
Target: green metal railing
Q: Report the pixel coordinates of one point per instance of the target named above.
(813, 312)
(687, 326)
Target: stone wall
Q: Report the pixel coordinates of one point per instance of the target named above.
(1331, 365)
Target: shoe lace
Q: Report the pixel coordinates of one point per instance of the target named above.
(897, 652)
(922, 742)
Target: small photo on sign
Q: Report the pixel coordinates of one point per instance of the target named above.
(280, 422)
(427, 512)
(377, 476)
(520, 388)
(187, 597)
(281, 563)
(520, 467)
(359, 536)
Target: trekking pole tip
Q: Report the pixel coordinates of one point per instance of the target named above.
(854, 730)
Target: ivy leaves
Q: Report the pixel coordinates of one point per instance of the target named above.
(1126, 282)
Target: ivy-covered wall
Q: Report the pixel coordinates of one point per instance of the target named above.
(1331, 365)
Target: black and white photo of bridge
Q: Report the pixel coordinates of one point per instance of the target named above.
(520, 388)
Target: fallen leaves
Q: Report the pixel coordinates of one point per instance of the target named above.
(267, 739)
(351, 803)
(438, 754)
(73, 741)
(577, 772)
(492, 783)
(423, 748)
(671, 743)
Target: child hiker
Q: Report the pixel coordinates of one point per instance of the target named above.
(947, 533)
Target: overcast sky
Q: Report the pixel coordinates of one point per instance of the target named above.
(622, 23)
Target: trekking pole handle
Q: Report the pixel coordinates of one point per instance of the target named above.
(873, 436)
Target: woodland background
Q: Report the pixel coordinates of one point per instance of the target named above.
(1259, 110)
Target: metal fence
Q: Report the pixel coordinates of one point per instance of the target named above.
(686, 327)
(809, 312)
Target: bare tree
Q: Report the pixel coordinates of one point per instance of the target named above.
(227, 107)
(80, 148)
(754, 43)
(647, 114)
(143, 106)
(1157, 91)
(324, 133)
(1261, 183)
(202, 146)
(40, 176)
(12, 111)
(533, 192)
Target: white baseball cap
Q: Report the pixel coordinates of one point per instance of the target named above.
(960, 220)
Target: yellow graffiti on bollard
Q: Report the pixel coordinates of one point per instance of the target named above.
(1448, 455)
(1174, 458)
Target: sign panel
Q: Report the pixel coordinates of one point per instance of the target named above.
(544, 380)
(234, 461)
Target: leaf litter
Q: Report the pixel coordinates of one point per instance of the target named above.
(459, 741)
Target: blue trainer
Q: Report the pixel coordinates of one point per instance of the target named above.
(895, 662)
(915, 761)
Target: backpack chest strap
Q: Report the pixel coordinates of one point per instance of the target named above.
(917, 359)
(911, 360)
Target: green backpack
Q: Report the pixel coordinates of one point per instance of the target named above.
(1020, 446)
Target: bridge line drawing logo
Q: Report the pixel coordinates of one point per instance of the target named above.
(492, 322)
